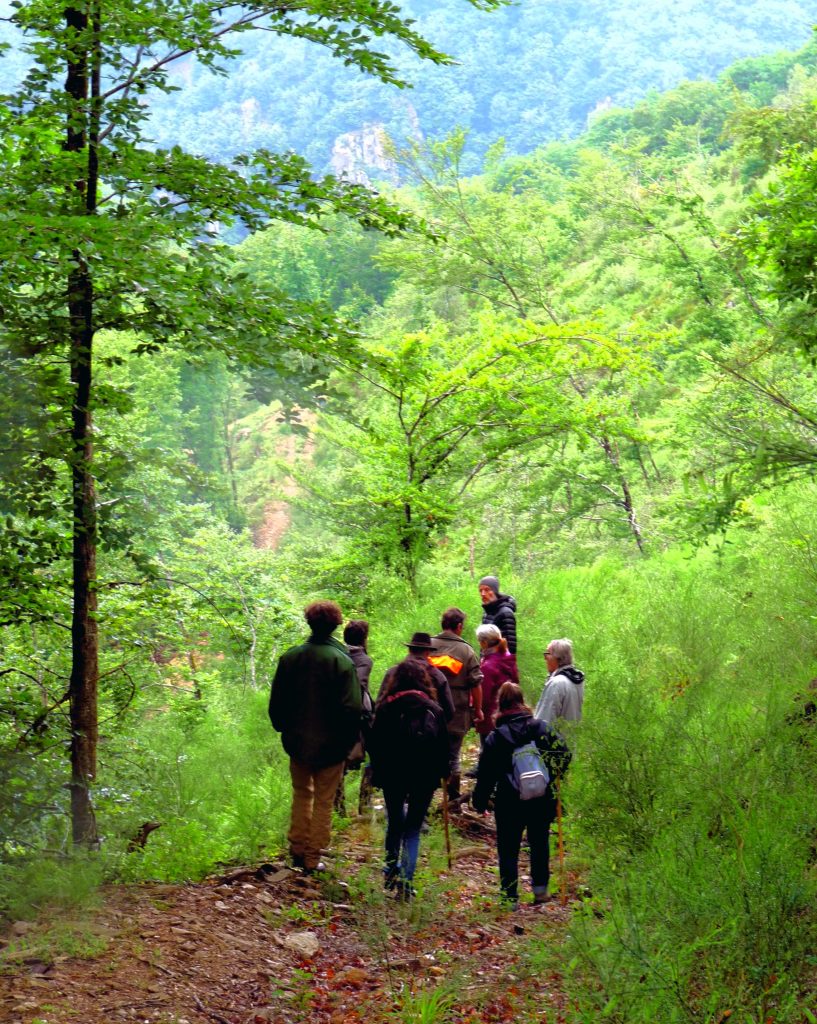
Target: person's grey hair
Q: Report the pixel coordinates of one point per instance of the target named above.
(490, 633)
(562, 651)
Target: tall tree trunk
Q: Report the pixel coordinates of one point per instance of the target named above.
(84, 632)
(82, 135)
(409, 553)
(626, 495)
(228, 455)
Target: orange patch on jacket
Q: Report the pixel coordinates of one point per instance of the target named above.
(445, 661)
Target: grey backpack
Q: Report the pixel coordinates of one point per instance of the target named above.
(529, 775)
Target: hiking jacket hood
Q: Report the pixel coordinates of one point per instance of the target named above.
(563, 696)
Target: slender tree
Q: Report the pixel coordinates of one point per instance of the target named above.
(101, 231)
(430, 413)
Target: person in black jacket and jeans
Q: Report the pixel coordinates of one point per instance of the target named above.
(498, 608)
(516, 726)
(408, 746)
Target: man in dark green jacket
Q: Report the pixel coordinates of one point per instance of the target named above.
(315, 703)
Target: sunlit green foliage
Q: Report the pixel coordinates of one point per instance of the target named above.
(596, 360)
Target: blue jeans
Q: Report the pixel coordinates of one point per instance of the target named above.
(406, 810)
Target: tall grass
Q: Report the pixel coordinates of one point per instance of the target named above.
(693, 786)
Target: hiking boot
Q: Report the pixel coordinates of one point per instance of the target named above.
(390, 878)
(541, 897)
(315, 868)
(297, 860)
(404, 891)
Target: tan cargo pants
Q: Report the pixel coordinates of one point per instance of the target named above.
(313, 795)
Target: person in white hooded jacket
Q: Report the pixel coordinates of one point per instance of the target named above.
(563, 695)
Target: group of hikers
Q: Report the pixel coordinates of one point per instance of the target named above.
(413, 735)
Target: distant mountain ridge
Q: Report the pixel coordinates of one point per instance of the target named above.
(532, 72)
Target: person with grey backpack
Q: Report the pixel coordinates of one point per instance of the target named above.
(520, 763)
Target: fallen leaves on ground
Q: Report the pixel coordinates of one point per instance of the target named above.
(267, 945)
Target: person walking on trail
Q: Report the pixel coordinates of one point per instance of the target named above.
(420, 648)
(498, 666)
(455, 658)
(355, 635)
(498, 608)
(516, 727)
(315, 703)
(563, 695)
(409, 751)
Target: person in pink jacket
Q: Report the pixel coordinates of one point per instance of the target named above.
(498, 667)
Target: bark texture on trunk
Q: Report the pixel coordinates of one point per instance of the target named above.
(82, 79)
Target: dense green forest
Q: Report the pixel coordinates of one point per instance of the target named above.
(535, 71)
(588, 368)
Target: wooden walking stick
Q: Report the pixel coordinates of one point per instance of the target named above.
(562, 874)
(445, 824)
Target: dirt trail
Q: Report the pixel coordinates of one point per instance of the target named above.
(271, 946)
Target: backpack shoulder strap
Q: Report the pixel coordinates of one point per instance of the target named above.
(406, 693)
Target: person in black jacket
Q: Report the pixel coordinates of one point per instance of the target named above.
(355, 635)
(409, 751)
(498, 608)
(516, 726)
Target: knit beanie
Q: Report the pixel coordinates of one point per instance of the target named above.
(492, 582)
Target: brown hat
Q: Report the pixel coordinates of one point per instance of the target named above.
(421, 641)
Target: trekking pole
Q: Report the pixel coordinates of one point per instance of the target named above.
(562, 874)
(445, 823)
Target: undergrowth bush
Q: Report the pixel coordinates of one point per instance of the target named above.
(32, 886)
(691, 793)
(691, 788)
(220, 789)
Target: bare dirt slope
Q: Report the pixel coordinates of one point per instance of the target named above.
(268, 944)
(291, 450)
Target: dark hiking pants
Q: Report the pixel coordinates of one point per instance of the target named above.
(513, 818)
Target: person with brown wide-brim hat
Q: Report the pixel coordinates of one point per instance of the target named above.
(408, 764)
(420, 647)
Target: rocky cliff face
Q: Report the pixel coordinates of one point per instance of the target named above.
(361, 155)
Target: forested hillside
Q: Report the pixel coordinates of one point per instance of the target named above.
(533, 72)
(587, 368)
